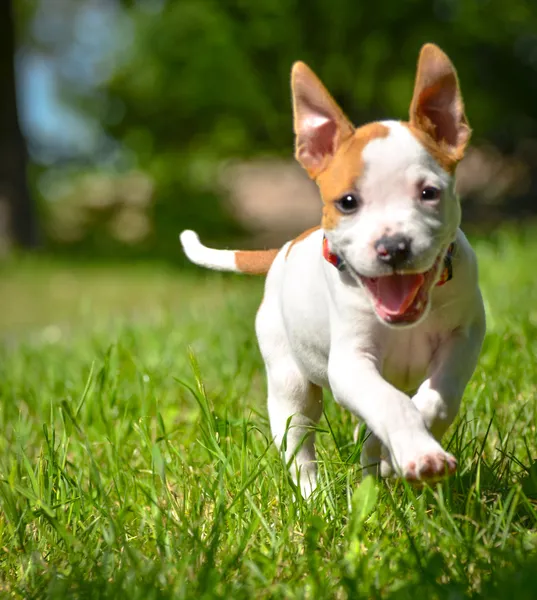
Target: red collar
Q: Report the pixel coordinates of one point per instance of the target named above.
(445, 276)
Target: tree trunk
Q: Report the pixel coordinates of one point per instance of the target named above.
(18, 222)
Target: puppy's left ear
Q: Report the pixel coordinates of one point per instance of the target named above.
(437, 107)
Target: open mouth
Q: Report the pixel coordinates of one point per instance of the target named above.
(401, 298)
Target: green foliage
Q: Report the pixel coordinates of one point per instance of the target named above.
(192, 83)
(212, 76)
(136, 457)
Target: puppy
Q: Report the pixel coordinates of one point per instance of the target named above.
(380, 303)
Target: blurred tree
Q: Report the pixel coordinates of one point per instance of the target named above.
(176, 87)
(18, 217)
(208, 80)
(214, 74)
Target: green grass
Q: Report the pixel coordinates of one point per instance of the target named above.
(136, 461)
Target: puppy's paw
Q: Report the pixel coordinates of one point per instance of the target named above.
(307, 487)
(386, 468)
(429, 466)
(305, 478)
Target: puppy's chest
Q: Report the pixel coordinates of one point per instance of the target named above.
(407, 357)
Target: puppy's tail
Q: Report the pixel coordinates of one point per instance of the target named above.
(254, 262)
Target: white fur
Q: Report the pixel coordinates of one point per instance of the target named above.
(317, 326)
(394, 166)
(222, 260)
(314, 122)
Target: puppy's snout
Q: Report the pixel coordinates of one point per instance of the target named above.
(393, 250)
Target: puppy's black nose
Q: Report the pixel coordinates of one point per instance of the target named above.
(393, 250)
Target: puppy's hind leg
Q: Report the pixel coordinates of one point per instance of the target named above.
(373, 457)
(295, 405)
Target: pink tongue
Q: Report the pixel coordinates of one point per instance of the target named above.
(395, 293)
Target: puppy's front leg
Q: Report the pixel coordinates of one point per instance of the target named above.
(439, 397)
(359, 387)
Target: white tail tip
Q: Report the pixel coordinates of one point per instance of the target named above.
(221, 260)
(190, 241)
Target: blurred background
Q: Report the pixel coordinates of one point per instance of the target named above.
(124, 121)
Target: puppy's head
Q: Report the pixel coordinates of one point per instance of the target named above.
(390, 210)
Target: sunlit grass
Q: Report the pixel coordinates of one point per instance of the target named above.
(136, 460)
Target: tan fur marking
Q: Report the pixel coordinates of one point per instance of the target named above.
(345, 168)
(255, 262)
(448, 158)
(311, 98)
(437, 118)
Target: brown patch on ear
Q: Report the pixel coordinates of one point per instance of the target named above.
(301, 237)
(437, 117)
(345, 169)
(440, 152)
(320, 125)
(255, 262)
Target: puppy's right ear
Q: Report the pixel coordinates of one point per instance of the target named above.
(320, 125)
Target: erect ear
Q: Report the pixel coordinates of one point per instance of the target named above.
(320, 125)
(437, 107)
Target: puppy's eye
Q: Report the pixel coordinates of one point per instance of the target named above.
(348, 204)
(430, 193)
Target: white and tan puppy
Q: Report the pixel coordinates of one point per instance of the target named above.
(381, 303)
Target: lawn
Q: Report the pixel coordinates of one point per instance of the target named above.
(136, 458)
